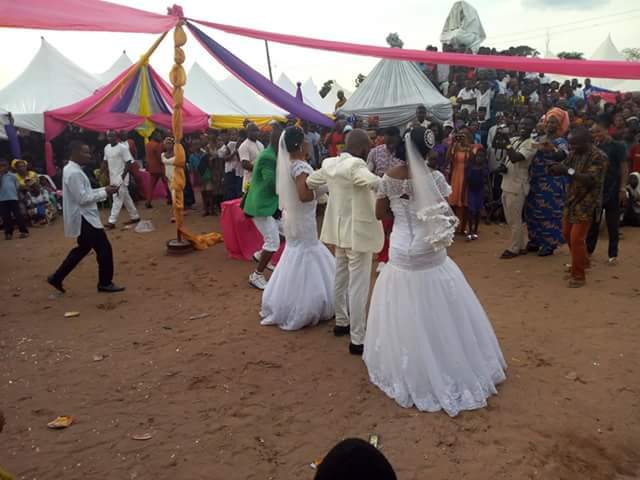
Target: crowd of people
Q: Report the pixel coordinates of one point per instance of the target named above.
(553, 161)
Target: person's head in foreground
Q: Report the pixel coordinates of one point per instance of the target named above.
(80, 152)
(355, 459)
(579, 140)
(358, 143)
(252, 132)
(294, 141)
(4, 166)
(421, 113)
(112, 138)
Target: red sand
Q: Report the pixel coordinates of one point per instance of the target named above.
(224, 398)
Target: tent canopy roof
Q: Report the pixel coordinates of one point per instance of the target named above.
(135, 97)
(50, 81)
(204, 91)
(392, 91)
(121, 63)
(250, 101)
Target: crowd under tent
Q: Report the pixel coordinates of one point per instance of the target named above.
(392, 91)
(50, 81)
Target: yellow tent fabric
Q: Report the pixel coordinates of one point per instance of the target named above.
(236, 121)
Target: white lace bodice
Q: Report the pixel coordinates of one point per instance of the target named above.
(408, 249)
(308, 230)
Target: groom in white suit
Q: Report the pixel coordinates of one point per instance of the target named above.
(350, 225)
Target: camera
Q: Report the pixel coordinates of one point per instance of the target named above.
(501, 140)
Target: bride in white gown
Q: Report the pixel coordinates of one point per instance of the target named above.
(301, 290)
(429, 342)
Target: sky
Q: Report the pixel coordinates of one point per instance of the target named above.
(573, 25)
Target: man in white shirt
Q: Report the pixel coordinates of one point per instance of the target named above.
(248, 152)
(421, 118)
(483, 100)
(350, 225)
(467, 96)
(119, 160)
(515, 185)
(82, 221)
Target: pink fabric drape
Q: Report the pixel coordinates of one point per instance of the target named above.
(102, 118)
(577, 68)
(92, 15)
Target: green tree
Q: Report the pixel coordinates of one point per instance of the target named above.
(632, 54)
(571, 55)
(326, 88)
(359, 79)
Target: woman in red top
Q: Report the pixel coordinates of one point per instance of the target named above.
(335, 138)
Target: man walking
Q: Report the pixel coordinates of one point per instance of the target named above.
(515, 185)
(155, 167)
(613, 192)
(585, 167)
(350, 224)
(82, 221)
(248, 153)
(119, 160)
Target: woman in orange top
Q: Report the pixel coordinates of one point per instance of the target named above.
(460, 155)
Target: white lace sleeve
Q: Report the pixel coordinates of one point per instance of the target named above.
(299, 167)
(393, 187)
(443, 187)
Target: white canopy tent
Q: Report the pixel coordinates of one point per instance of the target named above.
(605, 51)
(332, 97)
(248, 100)
(50, 81)
(392, 91)
(207, 94)
(285, 83)
(311, 96)
(123, 62)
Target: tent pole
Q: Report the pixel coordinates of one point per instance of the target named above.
(266, 46)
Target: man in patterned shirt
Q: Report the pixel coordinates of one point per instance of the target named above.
(585, 167)
(381, 159)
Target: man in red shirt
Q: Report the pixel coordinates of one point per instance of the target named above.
(634, 156)
(153, 151)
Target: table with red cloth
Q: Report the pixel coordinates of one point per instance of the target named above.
(241, 237)
(143, 178)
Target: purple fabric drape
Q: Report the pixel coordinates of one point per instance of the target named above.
(258, 82)
(14, 143)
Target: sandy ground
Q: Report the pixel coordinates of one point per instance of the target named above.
(224, 398)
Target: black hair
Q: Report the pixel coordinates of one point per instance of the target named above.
(581, 131)
(392, 131)
(418, 138)
(76, 145)
(603, 120)
(293, 138)
(354, 458)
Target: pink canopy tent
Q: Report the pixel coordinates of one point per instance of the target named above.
(136, 96)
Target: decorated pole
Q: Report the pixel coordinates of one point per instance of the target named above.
(178, 79)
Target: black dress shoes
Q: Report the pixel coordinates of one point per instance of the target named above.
(55, 284)
(111, 288)
(339, 331)
(356, 349)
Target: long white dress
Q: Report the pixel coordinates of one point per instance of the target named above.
(429, 342)
(300, 292)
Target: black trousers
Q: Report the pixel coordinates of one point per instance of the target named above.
(10, 213)
(90, 238)
(612, 217)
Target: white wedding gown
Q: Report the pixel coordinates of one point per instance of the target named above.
(300, 292)
(429, 342)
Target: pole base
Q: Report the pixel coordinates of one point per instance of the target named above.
(178, 247)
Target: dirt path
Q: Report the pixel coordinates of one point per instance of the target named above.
(225, 398)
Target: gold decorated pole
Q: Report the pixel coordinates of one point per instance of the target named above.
(178, 78)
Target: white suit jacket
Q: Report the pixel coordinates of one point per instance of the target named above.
(350, 219)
